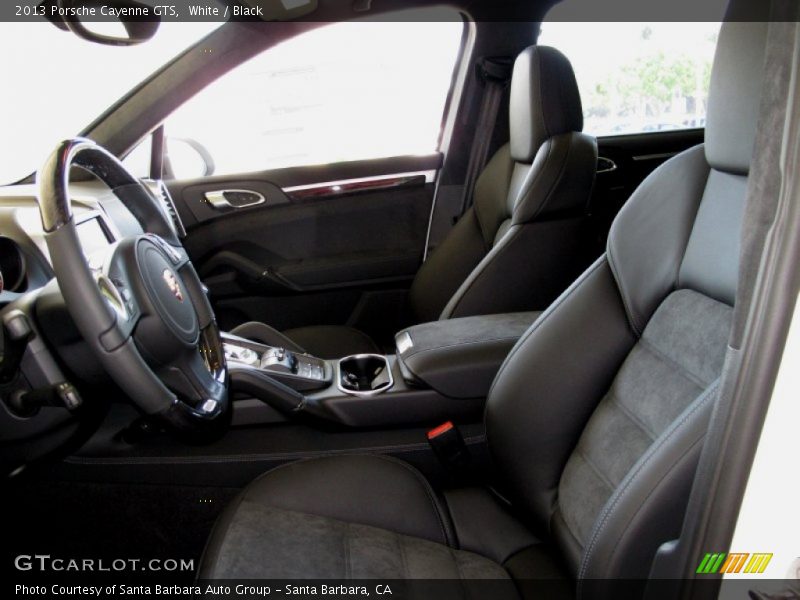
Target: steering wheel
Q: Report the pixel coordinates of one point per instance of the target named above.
(143, 311)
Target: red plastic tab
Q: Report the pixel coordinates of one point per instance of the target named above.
(437, 431)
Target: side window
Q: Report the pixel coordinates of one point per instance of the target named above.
(138, 160)
(638, 77)
(346, 91)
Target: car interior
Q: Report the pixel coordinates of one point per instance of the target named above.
(520, 243)
(506, 370)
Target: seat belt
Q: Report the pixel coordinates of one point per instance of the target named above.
(494, 73)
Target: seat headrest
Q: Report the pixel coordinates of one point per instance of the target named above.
(545, 101)
(734, 95)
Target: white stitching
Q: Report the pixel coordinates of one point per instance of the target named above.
(666, 358)
(347, 569)
(402, 551)
(615, 401)
(595, 469)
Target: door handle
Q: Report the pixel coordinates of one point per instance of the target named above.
(605, 165)
(230, 199)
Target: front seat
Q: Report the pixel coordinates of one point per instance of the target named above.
(520, 244)
(595, 421)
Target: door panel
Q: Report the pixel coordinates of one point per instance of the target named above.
(334, 244)
(632, 158)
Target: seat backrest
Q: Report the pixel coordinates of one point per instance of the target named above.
(517, 247)
(597, 417)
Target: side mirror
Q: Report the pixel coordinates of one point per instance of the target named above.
(123, 23)
(186, 158)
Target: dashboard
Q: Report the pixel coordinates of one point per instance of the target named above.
(94, 235)
(12, 266)
(101, 219)
(48, 345)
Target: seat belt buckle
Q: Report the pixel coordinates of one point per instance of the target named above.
(449, 447)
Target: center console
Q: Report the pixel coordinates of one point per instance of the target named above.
(441, 370)
(298, 371)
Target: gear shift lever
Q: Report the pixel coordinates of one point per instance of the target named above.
(278, 359)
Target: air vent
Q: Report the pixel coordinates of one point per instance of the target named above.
(12, 266)
(169, 207)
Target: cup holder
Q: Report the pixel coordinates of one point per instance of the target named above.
(364, 375)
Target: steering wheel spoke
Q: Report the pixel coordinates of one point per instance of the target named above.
(191, 379)
(114, 284)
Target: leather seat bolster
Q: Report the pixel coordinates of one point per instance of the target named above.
(529, 251)
(559, 182)
(485, 525)
(528, 436)
(491, 195)
(648, 239)
(447, 267)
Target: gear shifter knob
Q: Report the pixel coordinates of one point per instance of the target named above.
(279, 359)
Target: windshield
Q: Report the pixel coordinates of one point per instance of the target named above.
(55, 84)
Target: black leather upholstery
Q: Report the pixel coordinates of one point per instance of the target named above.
(544, 101)
(597, 417)
(731, 121)
(649, 236)
(533, 233)
(390, 493)
(393, 497)
(519, 245)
